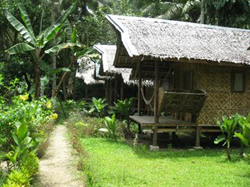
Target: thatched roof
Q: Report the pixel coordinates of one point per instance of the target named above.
(86, 71)
(148, 39)
(107, 60)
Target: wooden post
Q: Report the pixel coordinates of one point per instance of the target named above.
(110, 92)
(115, 94)
(139, 88)
(197, 143)
(122, 90)
(156, 103)
(107, 90)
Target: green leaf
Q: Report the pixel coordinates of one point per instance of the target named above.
(58, 70)
(20, 27)
(248, 118)
(62, 46)
(16, 139)
(242, 138)
(84, 52)
(20, 48)
(10, 157)
(68, 29)
(219, 139)
(26, 20)
(22, 131)
(50, 32)
(73, 37)
(104, 130)
(49, 71)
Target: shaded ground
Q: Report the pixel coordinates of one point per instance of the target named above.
(56, 168)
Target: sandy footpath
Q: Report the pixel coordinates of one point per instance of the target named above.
(57, 167)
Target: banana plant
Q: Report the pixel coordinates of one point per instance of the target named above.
(98, 106)
(228, 128)
(36, 44)
(111, 127)
(123, 109)
(244, 133)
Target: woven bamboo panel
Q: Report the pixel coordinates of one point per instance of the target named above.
(216, 81)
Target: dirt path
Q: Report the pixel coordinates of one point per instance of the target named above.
(56, 168)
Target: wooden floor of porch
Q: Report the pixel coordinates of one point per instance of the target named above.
(168, 124)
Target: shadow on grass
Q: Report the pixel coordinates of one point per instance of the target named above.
(142, 151)
(219, 152)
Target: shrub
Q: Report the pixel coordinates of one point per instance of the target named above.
(111, 127)
(84, 126)
(244, 133)
(18, 178)
(123, 109)
(97, 107)
(228, 127)
(31, 164)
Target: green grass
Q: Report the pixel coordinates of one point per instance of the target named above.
(118, 164)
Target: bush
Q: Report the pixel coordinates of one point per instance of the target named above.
(18, 178)
(84, 126)
(97, 107)
(31, 164)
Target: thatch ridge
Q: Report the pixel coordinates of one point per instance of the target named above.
(167, 39)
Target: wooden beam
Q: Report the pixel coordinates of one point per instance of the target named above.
(156, 114)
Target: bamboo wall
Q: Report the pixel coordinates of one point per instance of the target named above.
(216, 81)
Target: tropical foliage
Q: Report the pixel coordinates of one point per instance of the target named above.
(24, 126)
(233, 126)
(36, 44)
(228, 127)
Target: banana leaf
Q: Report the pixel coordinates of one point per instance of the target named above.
(19, 48)
(51, 31)
(26, 19)
(20, 27)
(62, 46)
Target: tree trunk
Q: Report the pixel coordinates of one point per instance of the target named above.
(202, 17)
(37, 79)
(54, 43)
(55, 92)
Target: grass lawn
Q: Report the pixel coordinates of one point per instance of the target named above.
(117, 164)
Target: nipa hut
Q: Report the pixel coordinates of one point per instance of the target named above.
(203, 69)
(117, 83)
(86, 71)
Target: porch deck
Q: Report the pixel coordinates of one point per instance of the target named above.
(147, 121)
(168, 124)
